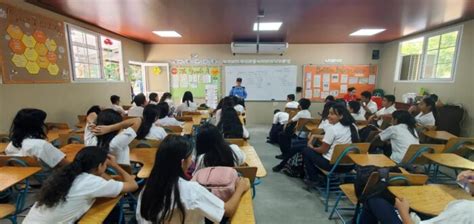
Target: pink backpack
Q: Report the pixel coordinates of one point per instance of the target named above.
(218, 180)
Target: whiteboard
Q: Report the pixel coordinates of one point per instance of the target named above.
(263, 82)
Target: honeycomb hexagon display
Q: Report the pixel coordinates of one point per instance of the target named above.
(15, 32)
(40, 37)
(53, 69)
(31, 54)
(17, 46)
(29, 41)
(42, 62)
(19, 60)
(32, 67)
(51, 44)
(41, 49)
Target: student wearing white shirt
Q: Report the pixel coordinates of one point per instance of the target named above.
(168, 196)
(148, 129)
(137, 110)
(291, 103)
(401, 135)
(70, 191)
(342, 131)
(213, 150)
(324, 116)
(354, 108)
(284, 138)
(388, 108)
(279, 120)
(426, 116)
(107, 130)
(153, 98)
(115, 100)
(164, 119)
(28, 138)
(231, 126)
(166, 98)
(368, 107)
(187, 104)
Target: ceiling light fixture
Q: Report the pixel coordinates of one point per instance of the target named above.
(272, 26)
(366, 32)
(171, 33)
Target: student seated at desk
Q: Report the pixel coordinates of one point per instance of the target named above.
(148, 129)
(187, 103)
(137, 110)
(115, 100)
(379, 210)
(291, 103)
(28, 138)
(94, 109)
(108, 130)
(368, 107)
(280, 118)
(329, 98)
(71, 190)
(354, 109)
(226, 102)
(401, 135)
(342, 131)
(239, 104)
(426, 117)
(324, 124)
(351, 94)
(166, 98)
(164, 119)
(388, 107)
(168, 196)
(213, 150)
(231, 126)
(153, 98)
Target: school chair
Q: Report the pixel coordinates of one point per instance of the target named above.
(184, 118)
(339, 157)
(69, 138)
(237, 141)
(27, 161)
(173, 129)
(190, 113)
(81, 121)
(348, 191)
(291, 112)
(414, 155)
(249, 172)
(56, 125)
(144, 143)
(301, 140)
(455, 145)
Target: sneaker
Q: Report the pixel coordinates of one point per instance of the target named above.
(279, 157)
(277, 168)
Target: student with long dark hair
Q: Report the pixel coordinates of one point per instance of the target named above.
(213, 150)
(324, 115)
(342, 131)
(28, 138)
(166, 98)
(108, 130)
(401, 135)
(354, 108)
(71, 190)
(226, 102)
(427, 114)
(168, 196)
(239, 104)
(153, 98)
(231, 126)
(137, 110)
(164, 119)
(187, 103)
(148, 129)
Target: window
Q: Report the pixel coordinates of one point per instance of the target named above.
(429, 58)
(135, 78)
(94, 57)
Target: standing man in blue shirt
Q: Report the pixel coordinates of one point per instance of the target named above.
(238, 90)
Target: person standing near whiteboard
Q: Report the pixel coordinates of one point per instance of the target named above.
(238, 90)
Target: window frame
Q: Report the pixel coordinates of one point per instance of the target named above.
(426, 37)
(100, 57)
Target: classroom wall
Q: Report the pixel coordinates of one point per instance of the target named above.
(63, 102)
(300, 54)
(459, 92)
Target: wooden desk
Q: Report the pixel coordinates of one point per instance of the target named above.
(311, 126)
(378, 160)
(450, 160)
(188, 128)
(252, 159)
(71, 151)
(467, 146)
(145, 156)
(99, 210)
(3, 146)
(11, 175)
(427, 199)
(54, 134)
(439, 135)
(196, 119)
(244, 213)
(205, 114)
(455, 191)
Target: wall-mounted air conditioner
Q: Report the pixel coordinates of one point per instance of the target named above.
(260, 48)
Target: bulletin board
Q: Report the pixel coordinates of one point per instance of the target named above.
(196, 79)
(33, 49)
(319, 81)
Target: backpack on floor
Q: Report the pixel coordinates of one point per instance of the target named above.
(218, 180)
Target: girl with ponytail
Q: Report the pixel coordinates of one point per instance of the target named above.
(71, 190)
(427, 114)
(148, 129)
(342, 130)
(187, 103)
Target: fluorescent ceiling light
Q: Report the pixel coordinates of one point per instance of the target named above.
(267, 26)
(367, 32)
(167, 33)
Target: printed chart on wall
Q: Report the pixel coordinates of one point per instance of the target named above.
(203, 81)
(33, 49)
(321, 81)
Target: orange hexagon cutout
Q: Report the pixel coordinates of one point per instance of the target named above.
(29, 41)
(53, 69)
(39, 36)
(31, 54)
(19, 60)
(42, 62)
(17, 46)
(51, 44)
(15, 32)
(41, 49)
(32, 67)
(52, 57)
(214, 71)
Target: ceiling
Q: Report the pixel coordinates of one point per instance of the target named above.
(224, 21)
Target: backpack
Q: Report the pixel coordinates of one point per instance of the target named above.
(218, 180)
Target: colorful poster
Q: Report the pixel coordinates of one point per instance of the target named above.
(195, 79)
